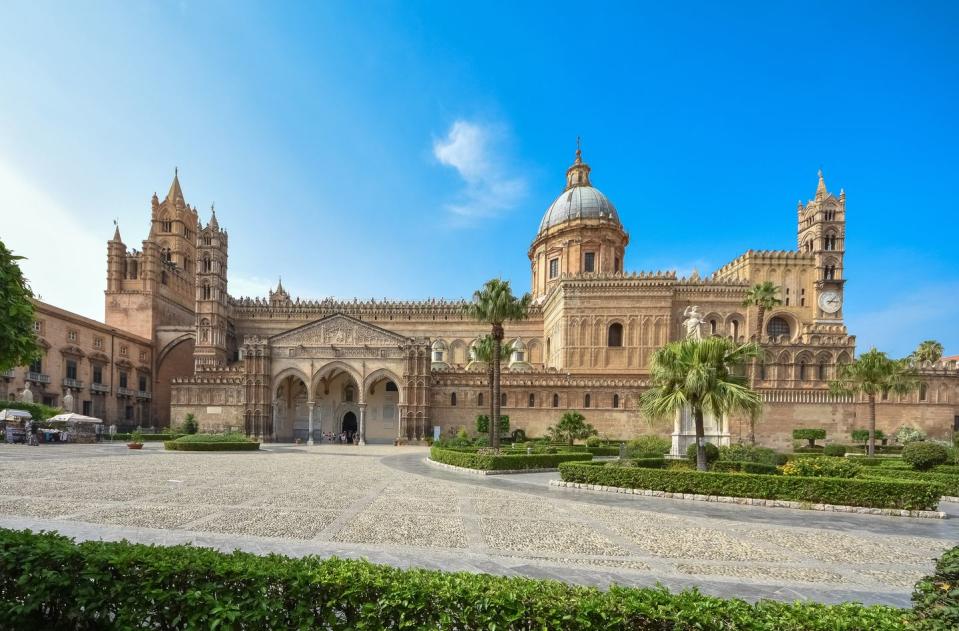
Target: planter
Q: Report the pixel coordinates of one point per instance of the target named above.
(135, 445)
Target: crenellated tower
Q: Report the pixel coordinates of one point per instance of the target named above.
(212, 317)
(822, 233)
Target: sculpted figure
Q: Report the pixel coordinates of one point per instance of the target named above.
(693, 322)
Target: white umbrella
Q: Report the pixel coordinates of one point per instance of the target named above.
(72, 417)
(15, 414)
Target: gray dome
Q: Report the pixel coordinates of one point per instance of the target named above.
(579, 202)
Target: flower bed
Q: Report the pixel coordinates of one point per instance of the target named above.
(134, 586)
(212, 442)
(502, 462)
(871, 493)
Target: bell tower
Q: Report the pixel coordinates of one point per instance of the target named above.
(211, 297)
(822, 233)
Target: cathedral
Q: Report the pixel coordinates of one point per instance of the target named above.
(282, 368)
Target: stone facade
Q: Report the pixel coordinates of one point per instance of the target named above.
(277, 366)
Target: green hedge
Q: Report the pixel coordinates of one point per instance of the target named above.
(728, 466)
(174, 445)
(949, 469)
(500, 462)
(603, 451)
(126, 437)
(874, 493)
(49, 582)
(936, 598)
(648, 463)
(949, 482)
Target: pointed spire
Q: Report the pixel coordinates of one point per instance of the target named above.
(578, 173)
(116, 231)
(279, 284)
(213, 222)
(175, 193)
(821, 187)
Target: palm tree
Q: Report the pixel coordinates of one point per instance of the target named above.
(928, 351)
(495, 304)
(764, 296)
(704, 376)
(483, 351)
(874, 373)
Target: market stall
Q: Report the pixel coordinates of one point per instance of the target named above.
(77, 427)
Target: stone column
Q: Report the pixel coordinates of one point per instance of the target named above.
(262, 420)
(362, 440)
(274, 410)
(309, 439)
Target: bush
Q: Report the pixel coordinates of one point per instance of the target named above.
(751, 453)
(812, 434)
(176, 445)
(38, 411)
(936, 598)
(504, 462)
(906, 434)
(712, 453)
(834, 450)
(604, 451)
(481, 441)
(482, 424)
(125, 437)
(190, 425)
(730, 466)
(862, 435)
(229, 437)
(817, 449)
(134, 586)
(519, 436)
(923, 456)
(949, 482)
(656, 445)
(594, 441)
(874, 493)
(824, 467)
(646, 463)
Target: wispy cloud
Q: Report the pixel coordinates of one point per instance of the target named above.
(471, 148)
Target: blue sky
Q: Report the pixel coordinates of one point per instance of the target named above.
(409, 149)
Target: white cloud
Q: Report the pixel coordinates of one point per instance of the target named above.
(65, 262)
(488, 189)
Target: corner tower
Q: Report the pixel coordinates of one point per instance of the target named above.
(212, 317)
(822, 233)
(579, 234)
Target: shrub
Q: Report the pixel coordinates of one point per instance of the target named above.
(751, 453)
(176, 445)
(862, 435)
(482, 424)
(936, 598)
(731, 466)
(812, 434)
(922, 456)
(906, 434)
(817, 449)
(824, 467)
(38, 411)
(834, 450)
(229, 437)
(949, 482)
(121, 436)
(712, 453)
(519, 436)
(135, 586)
(874, 493)
(604, 450)
(571, 426)
(190, 425)
(646, 463)
(648, 445)
(594, 441)
(504, 462)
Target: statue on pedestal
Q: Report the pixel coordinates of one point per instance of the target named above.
(693, 323)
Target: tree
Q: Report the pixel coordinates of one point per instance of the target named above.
(703, 376)
(928, 351)
(18, 341)
(572, 426)
(874, 373)
(495, 305)
(483, 351)
(764, 296)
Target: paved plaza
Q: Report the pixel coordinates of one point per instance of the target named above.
(386, 504)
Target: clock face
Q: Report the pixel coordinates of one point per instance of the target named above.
(830, 301)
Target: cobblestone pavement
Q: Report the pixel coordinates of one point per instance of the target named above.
(384, 504)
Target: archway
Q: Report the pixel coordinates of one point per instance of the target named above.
(292, 408)
(350, 425)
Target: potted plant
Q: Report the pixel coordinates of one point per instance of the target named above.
(136, 440)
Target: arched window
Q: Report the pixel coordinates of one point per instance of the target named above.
(822, 371)
(762, 370)
(614, 336)
(502, 398)
(586, 401)
(777, 326)
(615, 400)
(802, 371)
(922, 391)
(206, 292)
(207, 265)
(555, 400)
(479, 399)
(532, 400)
(735, 324)
(712, 327)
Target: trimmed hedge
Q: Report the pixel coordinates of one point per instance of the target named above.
(501, 462)
(949, 482)
(648, 463)
(174, 445)
(873, 493)
(808, 450)
(834, 449)
(729, 466)
(923, 456)
(135, 586)
(936, 598)
(604, 450)
(949, 469)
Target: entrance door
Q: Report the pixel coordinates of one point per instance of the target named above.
(349, 425)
